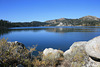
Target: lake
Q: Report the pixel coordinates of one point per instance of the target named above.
(50, 37)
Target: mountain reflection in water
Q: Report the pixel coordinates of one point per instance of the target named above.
(54, 37)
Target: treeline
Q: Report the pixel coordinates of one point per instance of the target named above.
(6, 24)
(29, 24)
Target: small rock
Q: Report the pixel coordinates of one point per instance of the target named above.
(20, 65)
(51, 54)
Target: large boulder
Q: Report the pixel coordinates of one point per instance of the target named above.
(84, 54)
(93, 47)
(76, 55)
(52, 54)
(75, 46)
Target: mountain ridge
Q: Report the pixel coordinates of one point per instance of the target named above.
(88, 16)
(83, 21)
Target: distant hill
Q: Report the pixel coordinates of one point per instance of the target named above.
(90, 18)
(84, 21)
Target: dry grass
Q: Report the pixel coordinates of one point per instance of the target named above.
(11, 55)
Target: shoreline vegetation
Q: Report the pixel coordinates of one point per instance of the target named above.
(80, 54)
(84, 21)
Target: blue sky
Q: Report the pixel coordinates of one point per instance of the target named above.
(42, 10)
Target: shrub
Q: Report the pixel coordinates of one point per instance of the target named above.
(12, 54)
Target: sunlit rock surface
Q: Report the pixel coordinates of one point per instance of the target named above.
(93, 47)
(52, 54)
(76, 55)
(83, 54)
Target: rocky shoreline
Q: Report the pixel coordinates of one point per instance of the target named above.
(80, 54)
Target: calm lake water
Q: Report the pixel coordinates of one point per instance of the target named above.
(50, 37)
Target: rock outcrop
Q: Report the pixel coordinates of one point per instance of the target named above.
(93, 47)
(84, 54)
